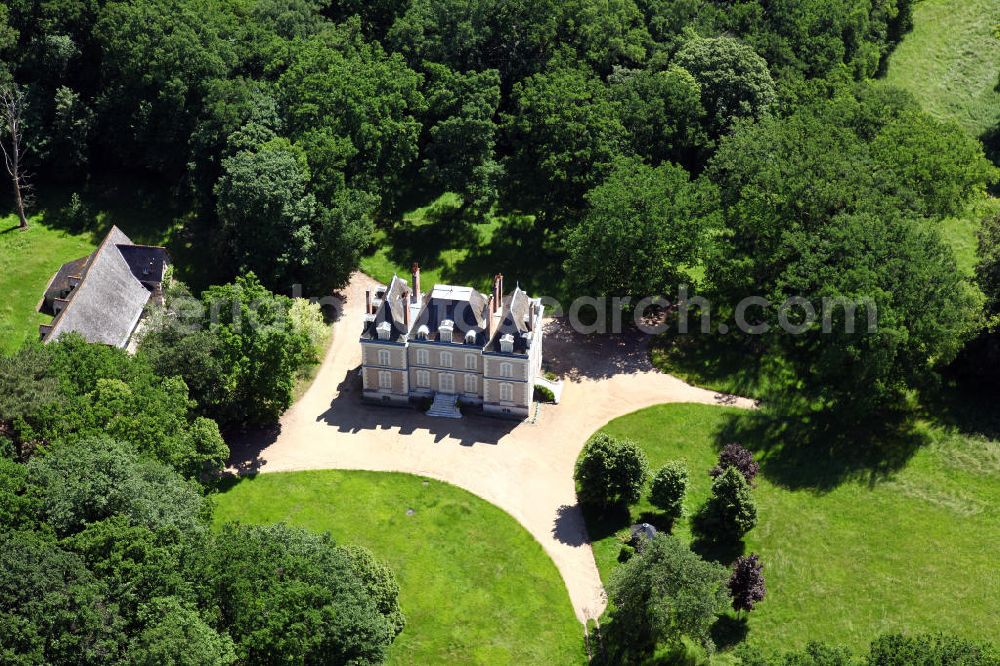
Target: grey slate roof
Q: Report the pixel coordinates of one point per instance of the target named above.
(464, 306)
(396, 298)
(59, 285)
(514, 320)
(109, 300)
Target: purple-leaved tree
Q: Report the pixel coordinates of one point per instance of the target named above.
(734, 455)
(746, 584)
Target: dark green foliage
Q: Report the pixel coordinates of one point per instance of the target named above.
(116, 563)
(287, 594)
(176, 634)
(813, 654)
(731, 511)
(988, 268)
(566, 133)
(668, 488)
(259, 348)
(885, 650)
(930, 650)
(544, 394)
(833, 217)
(95, 479)
(237, 348)
(157, 61)
(664, 594)
(351, 106)
(266, 212)
(27, 386)
(52, 609)
(735, 82)
(644, 227)
(610, 472)
(510, 36)
(73, 389)
(461, 154)
(380, 583)
(663, 114)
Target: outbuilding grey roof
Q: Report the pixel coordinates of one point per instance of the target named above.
(60, 284)
(107, 303)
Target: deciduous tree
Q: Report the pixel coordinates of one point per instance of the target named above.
(13, 143)
(610, 472)
(666, 593)
(668, 488)
(746, 584)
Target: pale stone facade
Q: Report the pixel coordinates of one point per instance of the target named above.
(484, 350)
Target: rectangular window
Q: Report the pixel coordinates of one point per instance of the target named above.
(423, 379)
(445, 359)
(470, 361)
(470, 384)
(422, 357)
(384, 358)
(384, 379)
(506, 370)
(506, 392)
(446, 382)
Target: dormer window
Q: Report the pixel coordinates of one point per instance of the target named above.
(383, 330)
(470, 337)
(422, 332)
(507, 343)
(445, 330)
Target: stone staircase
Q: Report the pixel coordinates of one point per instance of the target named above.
(445, 405)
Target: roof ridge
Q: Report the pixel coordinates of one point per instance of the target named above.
(83, 279)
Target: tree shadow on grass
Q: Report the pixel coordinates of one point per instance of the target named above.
(729, 631)
(798, 448)
(423, 241)
(519, 250)
(724, 363)
(148, 212)
(965, 410)
(602, 523)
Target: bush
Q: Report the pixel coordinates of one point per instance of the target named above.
(610, 472)
(306, 318)
(543, 394)
(930, 650)
(668, 488)
(731, 511)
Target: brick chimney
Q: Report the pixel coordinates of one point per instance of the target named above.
(406, 306)
(368, 301)
(497, 292)
(416, 282)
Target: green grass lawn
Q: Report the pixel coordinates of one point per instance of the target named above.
(475, 586)
(451, 250)
(430, 237)
(962, 232)
(28, 259)
(951, 60)
(144, 210)
(915, 551)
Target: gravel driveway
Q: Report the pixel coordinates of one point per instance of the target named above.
(525, 469)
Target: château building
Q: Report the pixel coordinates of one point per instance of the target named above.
(453, 345)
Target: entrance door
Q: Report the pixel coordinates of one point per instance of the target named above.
(446, 382)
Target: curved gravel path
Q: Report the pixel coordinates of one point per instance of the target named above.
(524, 468)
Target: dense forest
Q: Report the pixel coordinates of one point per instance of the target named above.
(737, 146)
